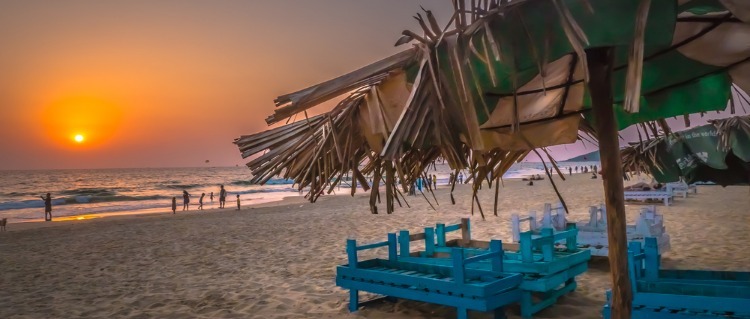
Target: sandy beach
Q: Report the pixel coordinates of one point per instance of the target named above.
(277, 260)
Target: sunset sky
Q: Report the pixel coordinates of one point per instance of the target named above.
(172, 83)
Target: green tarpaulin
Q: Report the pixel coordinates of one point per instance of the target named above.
(697, 155)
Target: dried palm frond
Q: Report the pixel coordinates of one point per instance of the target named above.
(299, 101)
(635, 59)
(726, 128)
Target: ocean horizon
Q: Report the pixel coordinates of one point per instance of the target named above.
(117, 191)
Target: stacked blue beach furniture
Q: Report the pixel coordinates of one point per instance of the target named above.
(682, 294)
(455, 285)
(532, 270)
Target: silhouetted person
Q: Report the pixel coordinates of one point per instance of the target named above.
(185, 200)
(200, 201)
(47, 207)
(212, 197)
(222, 197)
(238, 202)
(570, 170)
(460, 177)
(593, 175)
(434, 181)
(174, 205)
(531, 183)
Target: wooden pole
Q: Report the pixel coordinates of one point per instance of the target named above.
(600, 62)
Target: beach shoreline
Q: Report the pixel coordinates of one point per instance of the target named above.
(106, 192)
(137, 214)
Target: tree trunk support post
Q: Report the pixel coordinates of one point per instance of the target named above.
(600, 63)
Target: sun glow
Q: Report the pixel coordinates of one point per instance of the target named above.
(81, 121)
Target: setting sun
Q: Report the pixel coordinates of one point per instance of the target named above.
(80, 120)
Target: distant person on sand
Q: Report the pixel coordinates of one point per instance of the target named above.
(593, 175)
(200, 201)
(461, 177)
(450, 179)
(238, 202)
(434, 181)
(174, 205)
(185, 200)
(222, 197)
(47, 207)
(212, 197)
(570, 170)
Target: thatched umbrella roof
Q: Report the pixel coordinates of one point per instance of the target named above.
(718, 152)
(501, 80)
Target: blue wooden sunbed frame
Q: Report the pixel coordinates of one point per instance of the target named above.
(682, 294)
(549, 273)
(455, 285)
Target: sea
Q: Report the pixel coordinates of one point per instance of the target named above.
(93, 193)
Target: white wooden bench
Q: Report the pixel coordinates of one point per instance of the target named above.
(666, 196)
(648, 224)
(682, 187)
(676, 191)
(593, 234)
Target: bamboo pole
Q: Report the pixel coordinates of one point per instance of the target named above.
(600, 62)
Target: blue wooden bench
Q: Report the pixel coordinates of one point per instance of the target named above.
(682, 294)
(548, 272)
(454, 285)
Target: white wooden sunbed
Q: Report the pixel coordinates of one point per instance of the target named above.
(593, 234)
(666, 196)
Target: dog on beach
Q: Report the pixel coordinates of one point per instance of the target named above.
(3, 222)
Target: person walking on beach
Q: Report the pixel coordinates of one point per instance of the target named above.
(570, 170)
(174, 205)
(434, 181)
(222, 197)
(212, 197)
(200, 201)
(461, 177)
(238, 202)
(47, 207)
(185, 200)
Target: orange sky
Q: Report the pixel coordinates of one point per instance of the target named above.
(170, 83)
(173, 82)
